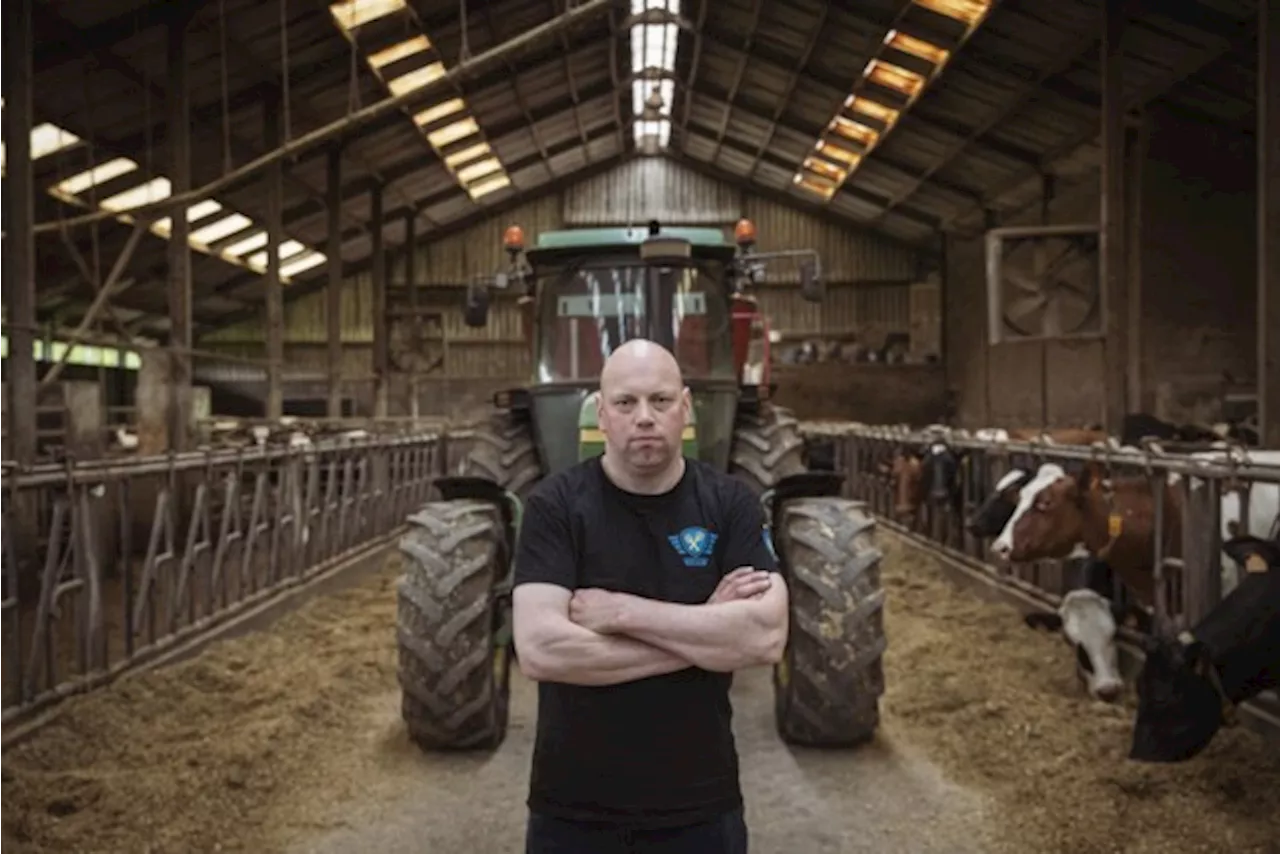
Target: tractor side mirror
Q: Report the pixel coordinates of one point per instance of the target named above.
(812, 288)
(476, 310)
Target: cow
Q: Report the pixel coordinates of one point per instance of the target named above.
(1190, 685)
(929, 473)
(1138, 426)
(1055, 511)
(1088, 620)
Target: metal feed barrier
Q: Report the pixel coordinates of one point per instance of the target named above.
(108, 565)
(1182, 597)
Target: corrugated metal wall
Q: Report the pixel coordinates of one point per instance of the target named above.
(869, 278)
(652, 188)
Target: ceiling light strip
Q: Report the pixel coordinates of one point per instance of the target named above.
(448, 125)
(863, 122)
(653, 65)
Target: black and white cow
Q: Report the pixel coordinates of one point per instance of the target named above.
(1088, 622)
(1190, 685)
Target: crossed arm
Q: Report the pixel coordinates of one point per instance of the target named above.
(599, 637)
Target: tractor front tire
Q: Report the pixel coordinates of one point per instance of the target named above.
(455, 676)
(827, 687)
(502, 450)
(767, 446)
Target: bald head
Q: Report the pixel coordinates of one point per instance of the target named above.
(643, 408)
(639, 358)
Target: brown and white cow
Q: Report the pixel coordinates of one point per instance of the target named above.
(1056, 512)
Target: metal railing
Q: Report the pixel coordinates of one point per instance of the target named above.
(1188, 578)
(108, 564)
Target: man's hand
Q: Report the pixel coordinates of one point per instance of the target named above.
(745, 582)
(596, 609)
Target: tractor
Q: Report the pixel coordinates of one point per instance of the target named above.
(582, 292)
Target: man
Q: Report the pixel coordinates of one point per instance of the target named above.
(643, 580)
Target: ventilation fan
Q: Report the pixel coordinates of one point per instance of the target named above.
(1044, 283)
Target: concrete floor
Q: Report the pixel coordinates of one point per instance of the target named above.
(880, 798)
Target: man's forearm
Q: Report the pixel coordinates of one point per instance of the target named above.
(579, 656)
(722, 636)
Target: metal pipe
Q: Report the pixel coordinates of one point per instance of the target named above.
(19, 244)
(122, 261)
(409, 100)
(275, 236)
(333, 292)
(178, 249)
(1268, 226)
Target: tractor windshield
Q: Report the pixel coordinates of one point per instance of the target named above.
(587, 309)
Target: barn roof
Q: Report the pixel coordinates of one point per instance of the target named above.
(900, 116)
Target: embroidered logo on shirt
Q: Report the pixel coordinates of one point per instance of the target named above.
(694, 544)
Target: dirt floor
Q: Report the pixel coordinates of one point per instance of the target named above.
(290, 741)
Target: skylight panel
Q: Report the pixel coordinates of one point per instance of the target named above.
(454, 132)
(152, 191)
(466, 155)
(224, 227)
(467, 174)
(301, 265)
(100, 174)
(827, 170)
(833, 151)
(288, 249)
(823, 187)
(659, 129)
(46, 139)
(653, 46)
(867, 121)
(856, 131)
(653, 62)
(639, 7)
(970, 12)
(434, 114)
(458, 126)
(488, 185)
(397, 52)
(199, 210)
(894, 77)
(416, 79)
(874, 109)
(242, 247)
(927, 51)
(350, 14)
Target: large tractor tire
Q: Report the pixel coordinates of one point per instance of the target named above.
(827, 687)
(454, 666)
(767, 446)
(502, 450)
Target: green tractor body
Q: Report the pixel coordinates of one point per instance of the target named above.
(583, 292)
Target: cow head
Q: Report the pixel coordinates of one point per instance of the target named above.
(992, 515)
(1180, 690)
(941, 464)
(1087, 621)
(930, 473)
(1048, 521)
(906, 473)
(1179, 709)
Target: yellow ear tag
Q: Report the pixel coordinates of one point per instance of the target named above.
(1255, 563)
(1115, 524)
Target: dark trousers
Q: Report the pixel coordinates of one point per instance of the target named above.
(724, 835)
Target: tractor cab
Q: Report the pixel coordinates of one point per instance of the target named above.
(584, 292)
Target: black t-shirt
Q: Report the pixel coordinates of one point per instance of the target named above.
(657, 751)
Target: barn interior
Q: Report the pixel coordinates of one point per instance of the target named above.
(1027, 216)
